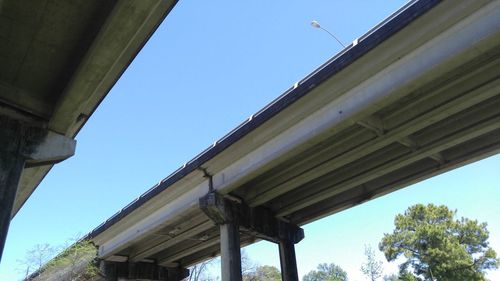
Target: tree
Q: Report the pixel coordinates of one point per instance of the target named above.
(326, 272)
(36, 257)
(247, 265)
(403, 276)
(199, 272)
(392, 277)
(372, 268)
(439, 247)
(263, 273)
(77, 262)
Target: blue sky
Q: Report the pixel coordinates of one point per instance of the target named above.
(209, 66)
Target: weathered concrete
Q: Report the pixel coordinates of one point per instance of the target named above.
(56, 64)
(225, 214)
(11, 167)
(22, 145)
(415, 97)
(121, 271)
(258, 221)
(288, 261)
(230, 252)
(232, 215)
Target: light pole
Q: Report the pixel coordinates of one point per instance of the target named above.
(317, 25)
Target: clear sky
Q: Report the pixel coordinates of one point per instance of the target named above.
(210, 65)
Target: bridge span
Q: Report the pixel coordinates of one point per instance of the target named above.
(416, 96)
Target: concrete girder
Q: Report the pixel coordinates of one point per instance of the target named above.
(474, 117)
(421, 153)
(129, 271)
(171, 258)
(262, 194)
(373, 123)
(351, 198)
(354, 141)
(446, 51)
(135, 257)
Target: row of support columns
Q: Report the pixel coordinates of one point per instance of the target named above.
(23, 144)
(232, 216)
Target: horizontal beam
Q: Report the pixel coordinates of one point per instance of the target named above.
(118, 271)
(348, 199)
(258, 221)
(36, 145)
(172, 241)
(421, 153)
(264, 193)
(189, 251)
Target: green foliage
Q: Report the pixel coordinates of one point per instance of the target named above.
(326, 272)
(263, 273)
(405, 275)
(392, 277)
(36, 258)
(372, 268)
(438, 247)
(75, 263)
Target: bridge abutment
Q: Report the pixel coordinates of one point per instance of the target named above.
(232, 215)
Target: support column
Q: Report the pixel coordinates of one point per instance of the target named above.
(11, 167)
(22, 144)
(230, 252)
(232, 215)
(288, 261)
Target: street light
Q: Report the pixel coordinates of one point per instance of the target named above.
(316, 24)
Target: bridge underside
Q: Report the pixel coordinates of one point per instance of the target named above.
(423, 102)
(452, 121)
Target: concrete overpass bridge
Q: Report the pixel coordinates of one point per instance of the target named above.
(58, 60)
(416, 96)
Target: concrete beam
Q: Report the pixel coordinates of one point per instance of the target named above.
(49, 149)
(123, 271)
(22, 145)
(262, 194)
(257, 221)
(421, 153)
(172, 241)
(174, 257)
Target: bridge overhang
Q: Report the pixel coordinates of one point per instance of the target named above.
(58, 60)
